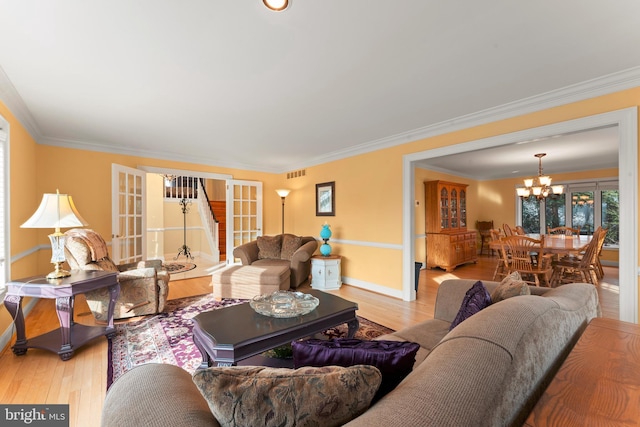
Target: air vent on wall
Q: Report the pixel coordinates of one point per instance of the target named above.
(296, 174)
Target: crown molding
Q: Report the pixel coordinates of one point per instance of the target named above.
(14, 102)
(604, 85)
(155, 154)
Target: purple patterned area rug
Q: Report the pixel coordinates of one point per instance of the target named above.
(167, 337)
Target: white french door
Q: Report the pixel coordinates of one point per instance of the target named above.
(128, 218)
(244, 214)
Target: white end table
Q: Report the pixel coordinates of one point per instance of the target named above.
(325, 272)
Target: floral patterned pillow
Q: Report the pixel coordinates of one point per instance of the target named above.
(290, 245)
(511, 286)
(259, 396)
(269, 247)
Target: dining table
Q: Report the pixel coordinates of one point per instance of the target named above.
(557, 243)
(563, 245)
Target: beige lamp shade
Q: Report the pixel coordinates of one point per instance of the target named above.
(55, 211)
(283, 192)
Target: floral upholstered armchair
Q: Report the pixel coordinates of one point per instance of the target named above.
(144, 286)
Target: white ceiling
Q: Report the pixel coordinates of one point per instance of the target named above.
(230, 83)
(580, 151)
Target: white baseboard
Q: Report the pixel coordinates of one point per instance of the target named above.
(395, 293)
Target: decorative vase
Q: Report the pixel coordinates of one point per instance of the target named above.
(325, 249)
(325, 234)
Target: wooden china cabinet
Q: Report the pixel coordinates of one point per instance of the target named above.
(449, 244)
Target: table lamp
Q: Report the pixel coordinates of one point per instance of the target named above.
(56, 211)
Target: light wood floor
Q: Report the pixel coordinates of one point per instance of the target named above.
(40, 377)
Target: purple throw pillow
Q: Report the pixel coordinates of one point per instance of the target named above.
(476, 298)
(394, 359)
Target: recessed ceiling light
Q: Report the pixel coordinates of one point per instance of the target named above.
(276, 5)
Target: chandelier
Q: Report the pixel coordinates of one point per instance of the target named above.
(539, 186)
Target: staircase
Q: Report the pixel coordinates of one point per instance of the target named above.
(219, 209)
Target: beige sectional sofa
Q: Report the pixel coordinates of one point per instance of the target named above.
(488, 371)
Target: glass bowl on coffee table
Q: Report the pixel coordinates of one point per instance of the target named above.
(284, 304)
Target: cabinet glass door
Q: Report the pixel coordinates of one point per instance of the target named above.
(463, 209)
(444, 208)
(454, 208)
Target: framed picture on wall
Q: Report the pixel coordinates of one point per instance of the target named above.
(326, 199)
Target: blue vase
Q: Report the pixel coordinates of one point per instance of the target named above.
(325, 249)
(325, 233)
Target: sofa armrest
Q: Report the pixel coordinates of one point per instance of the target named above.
(138, 273)
(451, 292)
(248, 252)
(156, 395)
(152, 263)
(304, 252)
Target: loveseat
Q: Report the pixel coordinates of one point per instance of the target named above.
(282, 250)
(488, 371)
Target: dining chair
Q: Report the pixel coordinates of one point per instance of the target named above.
(583, 268)
(567, 231)
(598, 261)
(519, 231)
(520, 249)
(503, 267)
(484, 229)
(508, 231)
(496, 235)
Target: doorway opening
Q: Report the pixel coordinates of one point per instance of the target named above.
(625, 120)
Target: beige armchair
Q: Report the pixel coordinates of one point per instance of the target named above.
(144, 286)
(281, 249)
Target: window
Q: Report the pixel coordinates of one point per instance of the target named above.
(587, 205)
(530, 214)
(4, 193)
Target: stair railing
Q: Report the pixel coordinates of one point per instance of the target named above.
(209, 219)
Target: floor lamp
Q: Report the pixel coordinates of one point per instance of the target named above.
(283, 193)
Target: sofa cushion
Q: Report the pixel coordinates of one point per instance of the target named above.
(259, 396)
(290, 245)
(394, 359)
(511, 286)
(269, 246)
(476, 299)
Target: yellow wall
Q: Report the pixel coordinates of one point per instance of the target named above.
(368, 189)
(155, 216)
(23, 201)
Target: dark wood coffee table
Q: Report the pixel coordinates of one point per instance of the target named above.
(231, 334)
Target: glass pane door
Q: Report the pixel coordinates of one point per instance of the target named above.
(128, 222)
(244, 214)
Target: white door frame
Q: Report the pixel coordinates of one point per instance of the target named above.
(627, 122)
